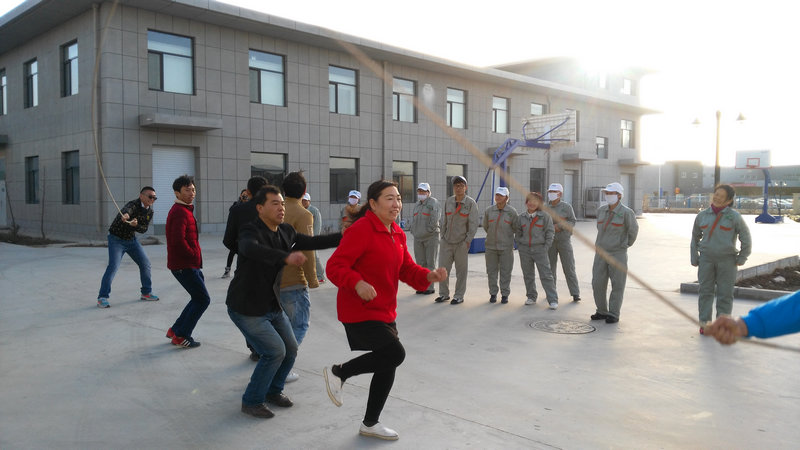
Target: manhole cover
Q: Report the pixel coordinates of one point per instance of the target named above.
(562, 326)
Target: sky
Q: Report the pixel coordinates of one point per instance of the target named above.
(731, 56)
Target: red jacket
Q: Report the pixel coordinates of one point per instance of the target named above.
(183, 249)
(369, 252)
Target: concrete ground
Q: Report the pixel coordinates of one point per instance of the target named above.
(476, 375)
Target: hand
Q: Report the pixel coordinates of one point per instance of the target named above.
(295, 259)
(133, 222)
(726, 329)
(365, 291)
(125, 217)
(695, 264)
(437, 275)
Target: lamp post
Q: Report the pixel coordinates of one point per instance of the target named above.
(697, 122)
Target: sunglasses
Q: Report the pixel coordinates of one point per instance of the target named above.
(152, 197)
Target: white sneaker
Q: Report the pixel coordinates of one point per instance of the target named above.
(292, 377)
(379, 431)
(333, 385)
(553, 305)
(530, 301)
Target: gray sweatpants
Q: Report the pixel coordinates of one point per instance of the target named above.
(537, 258)
(449, 254)
(602, 271)
(563, 248)
(499, 262)
(716, 275)
(425, 253)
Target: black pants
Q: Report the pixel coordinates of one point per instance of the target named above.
(382, 362)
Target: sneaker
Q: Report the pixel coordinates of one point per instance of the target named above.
(378, 431)
(292, 377)
(185, 342)
(149, 297)
(598, 316)
(428, 291)
(530, 301)
(102, 302)
(492, 299)
(576, 298)
(227, 273)
(504, 299)
(442, 298)
(321, 280)
(333, 385)
(456, 301)
(170, 334)
(280, 400)
(612, 319)
(553, 305)
(260, 411)
(420, 292)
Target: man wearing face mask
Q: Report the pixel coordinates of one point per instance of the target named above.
(425, 229)
(616, 231)
(501, 222)
(562, 243)
(350, 210)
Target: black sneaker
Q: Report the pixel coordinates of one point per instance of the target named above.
(260, 411)
(280, 400)
(183, 342)
(420, 292)
(493, 299)
(428, 291)
(612, 319)
(504, 299)
(576, 298)
(442, 298)
(598, 316)
(456, 301)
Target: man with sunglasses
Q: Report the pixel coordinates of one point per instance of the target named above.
(132, 218)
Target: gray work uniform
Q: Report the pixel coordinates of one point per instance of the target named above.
(458, 224)
(562, 246)
(535, 236)
(317, 231)
(425, 229)
(616, 231)
(714, 252)
(500, 226)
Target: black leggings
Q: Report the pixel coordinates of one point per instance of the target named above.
(382, 363)
(231, 254)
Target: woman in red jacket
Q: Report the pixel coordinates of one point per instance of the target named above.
(366, 267)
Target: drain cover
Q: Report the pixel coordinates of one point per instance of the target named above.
(562, 326)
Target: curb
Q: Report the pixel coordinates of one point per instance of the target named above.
(739, 292)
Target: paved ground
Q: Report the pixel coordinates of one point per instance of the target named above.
(476, 375)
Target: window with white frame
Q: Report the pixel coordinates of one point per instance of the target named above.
(628, 86)
(627, 133)
(267, 78)
(403, 92)
(342, 90)
(601, 146)
(30, 74)
(456, 108)
(69, 69)
(499, 115)
(538, 109)
(170, 62)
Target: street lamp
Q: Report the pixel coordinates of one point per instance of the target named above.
(697, 122)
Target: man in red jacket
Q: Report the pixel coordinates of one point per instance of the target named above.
(185, 259)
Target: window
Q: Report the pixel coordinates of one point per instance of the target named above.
(403, 92)
(538, 109)
(31, 77)
(69, 69)
(577, 123)
(627, 133)
(452, 170)
(403, 175)
(267, 78)
(342, 90)
(32, 179)
(628, 87)
(170, 63)
(456, 108)
(3, 93)
(601, 145)
(499, 115)
(344, 178)
(70, 168)
(271, 166)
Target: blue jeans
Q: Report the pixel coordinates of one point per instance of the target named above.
(116, 248)
(272, 338)
(298, 309)
(193, 281)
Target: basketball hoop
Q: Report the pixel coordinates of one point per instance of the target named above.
(557, 130)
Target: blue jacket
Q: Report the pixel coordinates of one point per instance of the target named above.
(775, 318)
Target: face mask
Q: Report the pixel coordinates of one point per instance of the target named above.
(352, 201)
(552, 196)
(612, 199)
(422, 197)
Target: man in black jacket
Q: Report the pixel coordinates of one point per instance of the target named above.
(242, 213)
(266, 246)
(133, 218)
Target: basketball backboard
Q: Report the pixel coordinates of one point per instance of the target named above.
(562, 128)
(754, 159)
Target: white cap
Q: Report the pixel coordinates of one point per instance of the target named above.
(614, 187)
(502, 190)
(556, 187)
(355, 194)
(306, 197)
(424, 187)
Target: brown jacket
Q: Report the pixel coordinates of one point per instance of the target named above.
(302, 221)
